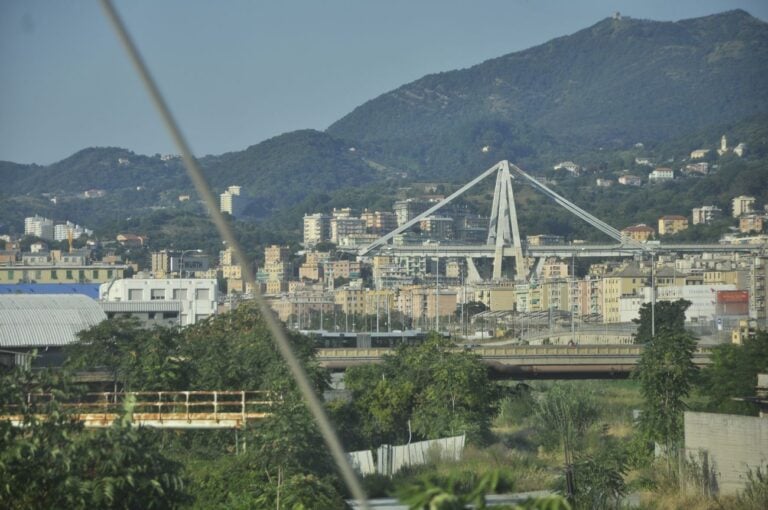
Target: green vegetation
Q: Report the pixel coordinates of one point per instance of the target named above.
(421, 392)
(51, 462)
(520, 436)
(620, 81)
(733, 374)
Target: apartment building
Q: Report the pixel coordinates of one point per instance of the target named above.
(706, 214)
(317, 228)
(198, 296)
(640, 232)
(742, 205)
(672, 224)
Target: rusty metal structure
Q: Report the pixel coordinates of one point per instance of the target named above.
(161, 409)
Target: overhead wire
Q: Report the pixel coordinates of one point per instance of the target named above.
(225, 231)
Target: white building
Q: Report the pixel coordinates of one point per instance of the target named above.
(743, 205)
(705, 214)
(317, 228)
(197, 296)
(345, 226)
(230, 201)
(61, 231)
(568, 166)
(703, 300)
(39, 227)
(661, 174)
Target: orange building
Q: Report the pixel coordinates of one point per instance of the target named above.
(640, 233)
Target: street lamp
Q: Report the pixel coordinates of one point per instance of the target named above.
(181, 260)
(181, 269)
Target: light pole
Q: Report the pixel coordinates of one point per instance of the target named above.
(181, 269)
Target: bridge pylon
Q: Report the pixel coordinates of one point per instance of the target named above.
(503, 229)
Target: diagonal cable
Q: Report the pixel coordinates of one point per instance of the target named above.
(204, 190)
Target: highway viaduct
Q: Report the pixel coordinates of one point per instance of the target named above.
(528, 362)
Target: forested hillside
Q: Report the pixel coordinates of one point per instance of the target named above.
(616, 83)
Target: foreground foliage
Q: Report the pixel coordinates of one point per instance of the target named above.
(426, 391)
(51, 462)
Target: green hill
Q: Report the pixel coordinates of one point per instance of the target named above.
(616, 83)
(590, 97)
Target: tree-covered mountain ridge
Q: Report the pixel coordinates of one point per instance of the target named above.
(621, 80)
(589, 95)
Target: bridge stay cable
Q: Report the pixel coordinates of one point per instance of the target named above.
(503, 228)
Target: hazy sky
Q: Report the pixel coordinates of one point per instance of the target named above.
(237, 72)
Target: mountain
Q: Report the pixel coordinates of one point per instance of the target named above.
(108, 168)
(590, 96)
(283, 170)
(616, 83)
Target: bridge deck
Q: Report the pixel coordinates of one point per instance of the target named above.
(524, 362)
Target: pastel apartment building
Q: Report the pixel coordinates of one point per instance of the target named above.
(640, 232)
(705, 214)
(672, 224)
(661, 174)
(742, 205)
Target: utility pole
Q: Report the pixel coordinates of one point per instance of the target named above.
(653, 296)
(437, 293)
(573, 296)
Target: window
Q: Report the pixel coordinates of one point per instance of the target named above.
(38, 274)
(135, 294)
(81, 275)
(54, 275)
(109, 274)
(156, 294)
(95, 274)
(202, 294)
(170, 315)
(179, 294)
(10, 274)
(69, 274)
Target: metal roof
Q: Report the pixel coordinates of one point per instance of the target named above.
(45, 320)
(140, 306)
(87, 289)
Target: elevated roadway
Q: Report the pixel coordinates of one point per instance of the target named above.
(562, 251)
(528, 362)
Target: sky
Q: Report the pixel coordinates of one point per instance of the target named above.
(237, 72)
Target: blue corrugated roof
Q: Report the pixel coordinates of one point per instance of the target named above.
(86, 289)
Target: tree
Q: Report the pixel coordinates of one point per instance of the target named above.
(563, 416)
(668, 315)
(139, 359)
(430, 390)
(599, 477)
(235, 351)
(733, 374)
(51, 462)
(666, 373)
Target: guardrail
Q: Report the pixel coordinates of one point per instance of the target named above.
(161, 409)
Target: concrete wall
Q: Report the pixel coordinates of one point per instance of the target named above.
(733, 444)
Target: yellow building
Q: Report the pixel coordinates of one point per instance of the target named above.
(421, 302)
(503, 299)
(350, 300)
(672, 224)
(630, 281)
(751, 223)
(51, 273)
(378, 301)
(543, 295)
